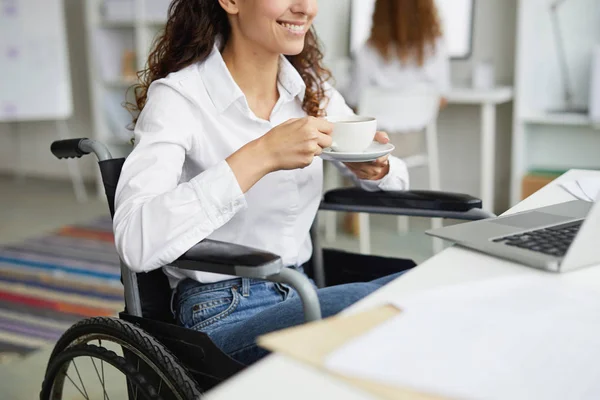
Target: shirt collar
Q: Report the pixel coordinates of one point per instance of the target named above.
(289, 78)
(224, 91)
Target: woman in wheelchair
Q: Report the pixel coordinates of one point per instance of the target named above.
(227, 139)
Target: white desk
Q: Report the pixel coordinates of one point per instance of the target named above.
(487, 100)
(277, 376)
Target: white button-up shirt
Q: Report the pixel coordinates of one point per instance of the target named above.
(176, 188)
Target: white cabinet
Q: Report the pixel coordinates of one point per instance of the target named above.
(543, 136)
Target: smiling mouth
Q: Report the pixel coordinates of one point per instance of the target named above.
(296, 28)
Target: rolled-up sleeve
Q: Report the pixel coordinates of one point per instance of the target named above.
(157, 218)
(397, 177)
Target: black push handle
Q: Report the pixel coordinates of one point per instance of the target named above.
(68, 148)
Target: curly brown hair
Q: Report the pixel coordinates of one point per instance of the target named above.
(191, 31)
(409, 25)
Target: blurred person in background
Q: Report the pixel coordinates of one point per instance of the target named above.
(406, 46)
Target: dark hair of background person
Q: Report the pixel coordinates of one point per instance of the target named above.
(411, 27)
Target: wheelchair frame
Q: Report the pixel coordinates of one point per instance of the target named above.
(205, 362)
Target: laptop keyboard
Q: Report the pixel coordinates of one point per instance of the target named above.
(553, 241)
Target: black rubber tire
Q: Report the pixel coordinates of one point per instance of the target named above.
(57, 363)
(181, 381)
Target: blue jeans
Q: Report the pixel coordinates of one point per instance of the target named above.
(235, 312)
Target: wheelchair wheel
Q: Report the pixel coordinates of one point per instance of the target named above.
(150, 357)
(62, 381)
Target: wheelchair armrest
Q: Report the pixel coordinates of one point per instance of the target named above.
(247, 262)
(229, 259)
(418, 203)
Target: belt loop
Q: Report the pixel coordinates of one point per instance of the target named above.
(245, 287)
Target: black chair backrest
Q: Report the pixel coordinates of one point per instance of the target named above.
(111, 171)
(153, 287)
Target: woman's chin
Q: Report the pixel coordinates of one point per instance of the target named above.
(292, 49)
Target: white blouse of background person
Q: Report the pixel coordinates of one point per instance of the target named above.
(369, 68)
(176, 188)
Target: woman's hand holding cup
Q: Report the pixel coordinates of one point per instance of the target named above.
(295, 143)
(291, 145)
(372, 170)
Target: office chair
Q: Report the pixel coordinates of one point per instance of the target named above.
(161, 360)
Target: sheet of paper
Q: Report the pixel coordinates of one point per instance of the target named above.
(587, 189)
(591, 187)
(507, 338)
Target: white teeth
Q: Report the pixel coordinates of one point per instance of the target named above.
(293, 28)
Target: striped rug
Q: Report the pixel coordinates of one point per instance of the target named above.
(49, 282)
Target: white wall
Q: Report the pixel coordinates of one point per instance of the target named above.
(494, 39)
(34, 138)
(332, 25)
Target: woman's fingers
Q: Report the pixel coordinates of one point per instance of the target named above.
(381, 161)
(323, 140)
(318, 151)
(382, 137)
(321, 124)
(370, 170)
(364, 170)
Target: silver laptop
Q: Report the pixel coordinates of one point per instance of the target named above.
(557, 238)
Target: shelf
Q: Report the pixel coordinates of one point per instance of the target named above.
(119, 83)
(118, 24)
(132, 23)
(155, 22)
(545, 118)
(466, 95)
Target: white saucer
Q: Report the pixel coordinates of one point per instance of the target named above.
(373, 152)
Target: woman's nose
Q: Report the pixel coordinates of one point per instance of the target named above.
(306, 7)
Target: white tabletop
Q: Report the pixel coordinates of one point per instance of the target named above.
(466, 95)
(277, 376)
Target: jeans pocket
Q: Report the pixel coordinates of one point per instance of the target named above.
(207, 310)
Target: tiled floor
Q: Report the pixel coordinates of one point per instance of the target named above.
(30, 207)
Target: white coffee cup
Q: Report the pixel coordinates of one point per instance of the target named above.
(352, 134)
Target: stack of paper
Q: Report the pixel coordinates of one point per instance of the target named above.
(587, 189)
(526, 338)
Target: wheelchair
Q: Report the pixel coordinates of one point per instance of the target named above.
(161, 360)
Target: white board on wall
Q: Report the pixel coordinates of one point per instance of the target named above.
(456, 18)
(35, 81)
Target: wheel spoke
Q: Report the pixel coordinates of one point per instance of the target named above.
(131, 385)
(159, 386)
(77, 387)
(80, 380)
(102, 365)
(136, 388)
(100, 379)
